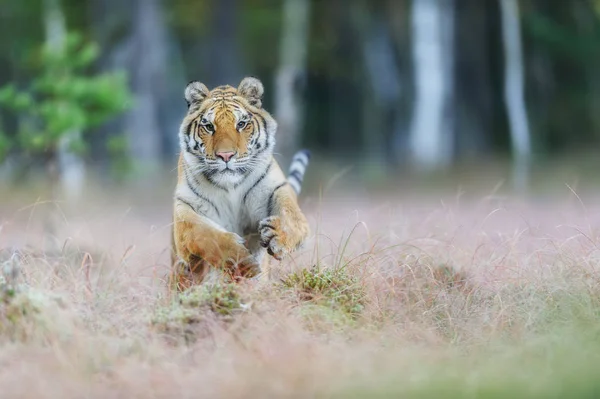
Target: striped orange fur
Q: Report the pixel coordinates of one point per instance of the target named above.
(233, 204)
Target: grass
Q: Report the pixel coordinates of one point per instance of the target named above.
(390, 298)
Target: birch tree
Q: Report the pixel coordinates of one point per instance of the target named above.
(514, 96)
(292, 68)
(432, 32)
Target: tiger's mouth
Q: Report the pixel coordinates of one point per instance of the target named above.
(228, 169)
(231, 168)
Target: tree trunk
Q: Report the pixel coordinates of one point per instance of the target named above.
(163, 82)
(397, 14)
(291, 74)
(514, 92)
(148, 60)
(431, 132)
(385, 88)
(474, 100)
(70, 169)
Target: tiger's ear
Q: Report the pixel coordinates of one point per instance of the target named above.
(195, 93)
(252, 90)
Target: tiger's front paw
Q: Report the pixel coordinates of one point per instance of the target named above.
(279, 238)
(272, 237)
(241, 263)
(248, 268)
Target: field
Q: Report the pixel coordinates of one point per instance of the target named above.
(427, 296)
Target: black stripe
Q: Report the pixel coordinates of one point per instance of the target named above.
(264, 123)
(197, 194)
(208, 174)
(300, 161)
(306, 153)
(190, 205)
(188, 130)
(296, 175)
(192, 132)
(222, 90)
(259, 146)
(187, 145)
(234, 101)
(242, 170)
(187, 138)
(296, 168)
(262, 120)
(256, 126)
(262, 176)
(267, 144)
(270, 202)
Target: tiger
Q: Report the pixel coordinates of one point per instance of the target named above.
(232, 201)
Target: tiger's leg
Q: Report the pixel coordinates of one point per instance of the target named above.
(287, 228)
(201, 243)
(186, 274)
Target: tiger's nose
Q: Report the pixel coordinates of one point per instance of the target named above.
(226, 155)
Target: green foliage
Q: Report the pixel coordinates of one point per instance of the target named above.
(336, 289)
(563, 41)
(62, 99)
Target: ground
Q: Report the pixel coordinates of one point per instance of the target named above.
(393, 296)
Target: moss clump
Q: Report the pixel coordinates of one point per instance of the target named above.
(222, 299)
(187, 315)
(177, 321)
(334, 288)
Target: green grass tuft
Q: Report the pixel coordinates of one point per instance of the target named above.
(334, 288)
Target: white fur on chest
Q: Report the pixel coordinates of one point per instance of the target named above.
(233, 214)
(237, 209)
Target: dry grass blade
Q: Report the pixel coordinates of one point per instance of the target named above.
(492, 300)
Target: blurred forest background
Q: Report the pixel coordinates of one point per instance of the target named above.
(95, 87)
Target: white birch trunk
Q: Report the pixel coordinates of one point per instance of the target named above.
(514, 88)
(71, 169)
(292, 66)
(431, 135)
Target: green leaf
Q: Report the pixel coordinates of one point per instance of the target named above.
(7, 94)
(86, 56)
(22, 101)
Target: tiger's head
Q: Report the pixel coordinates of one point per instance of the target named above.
(226, 133)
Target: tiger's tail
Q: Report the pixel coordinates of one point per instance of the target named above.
(297, 169)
